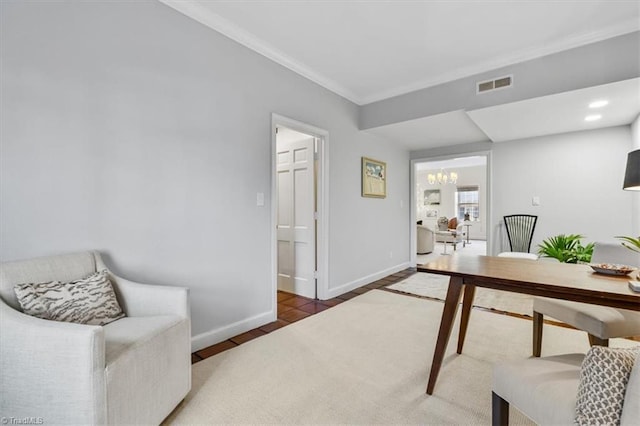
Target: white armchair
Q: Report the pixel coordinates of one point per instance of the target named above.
(455, 236)
(134, 370)
(426, 239)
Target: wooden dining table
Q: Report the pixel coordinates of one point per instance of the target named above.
(578, 283)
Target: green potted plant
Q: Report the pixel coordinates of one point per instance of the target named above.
(630, 243)
(566, 249)
(634, 245)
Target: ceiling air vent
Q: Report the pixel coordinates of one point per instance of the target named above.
(491, 85)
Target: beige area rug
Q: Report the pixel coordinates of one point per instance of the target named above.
(365, 361)
(435, 286)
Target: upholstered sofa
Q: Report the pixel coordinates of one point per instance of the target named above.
(426, 238)
(134, 370)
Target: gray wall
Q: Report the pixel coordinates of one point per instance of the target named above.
(452, 150)
(132, 129)
(578, 177)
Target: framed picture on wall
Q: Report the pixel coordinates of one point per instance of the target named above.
(431, 197)
(432, 213)
(374, 178)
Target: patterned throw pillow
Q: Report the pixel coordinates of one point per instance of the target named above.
(87, 301)
(603, 380)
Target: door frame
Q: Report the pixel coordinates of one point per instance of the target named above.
(322, 203)
(413, 200)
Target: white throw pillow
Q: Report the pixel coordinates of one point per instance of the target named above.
(631, 407)
(603, 381)
(91, 300)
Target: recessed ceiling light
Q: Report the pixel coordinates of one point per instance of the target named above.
(598, 104)
(593, 117)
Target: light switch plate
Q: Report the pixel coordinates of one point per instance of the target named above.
(260, 199)
(535, 201)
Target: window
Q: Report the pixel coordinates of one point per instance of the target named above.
(467, 201)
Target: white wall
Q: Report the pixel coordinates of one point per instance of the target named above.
(467, 176)
(635, 144)
(578, 177)
(635, 133)
(132, 129)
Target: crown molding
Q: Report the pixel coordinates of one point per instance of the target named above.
(214, 21)
(205, 16)
(626, 27)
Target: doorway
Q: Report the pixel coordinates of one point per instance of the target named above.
(467, 198)
(299, 208)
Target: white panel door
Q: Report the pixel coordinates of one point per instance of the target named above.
(296, 223)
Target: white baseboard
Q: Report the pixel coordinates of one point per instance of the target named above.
(218, 335)
(345, 288)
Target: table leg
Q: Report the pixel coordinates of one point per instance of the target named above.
(445, 248)
(537, 333)
(467, 303)
(446, 324)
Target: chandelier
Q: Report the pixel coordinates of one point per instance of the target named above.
(442, 178)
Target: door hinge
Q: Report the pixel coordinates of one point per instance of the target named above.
(315, 275)
(315, 215)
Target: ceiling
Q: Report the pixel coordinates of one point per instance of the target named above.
(546, 115)
(455, 163)
(561, 112)
(451, 128)
(369, 50)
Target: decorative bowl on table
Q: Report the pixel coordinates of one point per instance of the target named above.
(612, 268)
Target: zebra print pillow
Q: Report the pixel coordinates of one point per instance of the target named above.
(87, 301)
